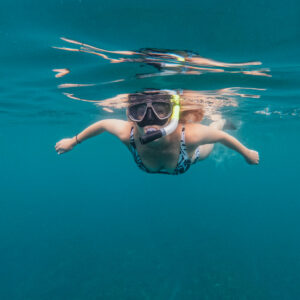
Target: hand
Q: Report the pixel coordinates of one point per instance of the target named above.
(252, 157)
(65, 145)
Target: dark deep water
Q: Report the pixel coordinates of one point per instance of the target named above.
(90, 224)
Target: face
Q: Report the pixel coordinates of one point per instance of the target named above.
(151, 115)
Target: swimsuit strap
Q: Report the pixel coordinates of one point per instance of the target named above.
(196, 155)
(184, 161)
(134, 152)
(132, 142)
(184, 153)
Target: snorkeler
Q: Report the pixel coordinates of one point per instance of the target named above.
(163, 137)
(169, 62)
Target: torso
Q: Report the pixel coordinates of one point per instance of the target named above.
(173, 156)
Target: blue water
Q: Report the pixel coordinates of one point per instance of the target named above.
(89, 224)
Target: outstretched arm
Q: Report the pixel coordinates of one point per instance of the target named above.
(113, 126)
(208, 135)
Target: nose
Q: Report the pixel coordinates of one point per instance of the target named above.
(149, 114)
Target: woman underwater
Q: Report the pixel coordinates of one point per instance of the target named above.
(168, 61)
(162, 137)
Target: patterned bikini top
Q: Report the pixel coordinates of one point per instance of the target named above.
(183, 163)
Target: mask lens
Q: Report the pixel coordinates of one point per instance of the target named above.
(137, 111)
(163, 110)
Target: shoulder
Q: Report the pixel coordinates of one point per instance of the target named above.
(119, 128)
(198, 134)
(195, 133)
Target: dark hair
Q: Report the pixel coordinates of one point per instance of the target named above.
(184, 53)
(191, 115)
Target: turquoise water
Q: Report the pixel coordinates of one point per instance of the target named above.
(90, 224)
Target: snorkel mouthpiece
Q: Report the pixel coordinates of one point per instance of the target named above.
(170, 128)
(151, 136)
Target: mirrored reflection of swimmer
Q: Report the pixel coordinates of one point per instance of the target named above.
(162, 137)
(169, 62)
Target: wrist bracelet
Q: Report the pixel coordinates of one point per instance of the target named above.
(77, 141)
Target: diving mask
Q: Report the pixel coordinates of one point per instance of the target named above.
(170, 128)
(150, 112)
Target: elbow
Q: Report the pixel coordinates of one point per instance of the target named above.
(222, 137)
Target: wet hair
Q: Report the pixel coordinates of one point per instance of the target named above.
(194, 115)
(184, 53)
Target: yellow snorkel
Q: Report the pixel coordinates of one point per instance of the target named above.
(177, 57)
(171, 127)
(180, 58)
